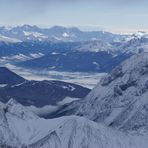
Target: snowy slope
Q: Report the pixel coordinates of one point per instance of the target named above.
(120, 99)
(22, 128)
(8, 39)
(95, 46)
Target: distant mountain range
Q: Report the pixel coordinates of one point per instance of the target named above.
(79, 52)
(56, 34)
(76, 61)
(65, 56)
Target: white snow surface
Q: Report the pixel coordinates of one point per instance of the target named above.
(17, 130)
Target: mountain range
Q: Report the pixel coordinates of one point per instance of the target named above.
(57, 114)
(114, 115)
(56, 34)
(100, 51)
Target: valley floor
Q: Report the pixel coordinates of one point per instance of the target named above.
(88, 80)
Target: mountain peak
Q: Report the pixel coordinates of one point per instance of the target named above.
(15, 108)
(27, 26)
(58, 29)
(120, 98)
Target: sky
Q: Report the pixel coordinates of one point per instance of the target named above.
(112, 15)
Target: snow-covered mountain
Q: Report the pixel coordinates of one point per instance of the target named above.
(138, 35)
(91, 56)
(95, 46)
(88, 52)
(21, 128)
(133, 43)
(56, 33)
(120, 99)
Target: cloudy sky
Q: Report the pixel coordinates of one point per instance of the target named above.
(114, 15)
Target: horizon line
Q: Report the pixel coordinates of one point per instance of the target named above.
(85, 28)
